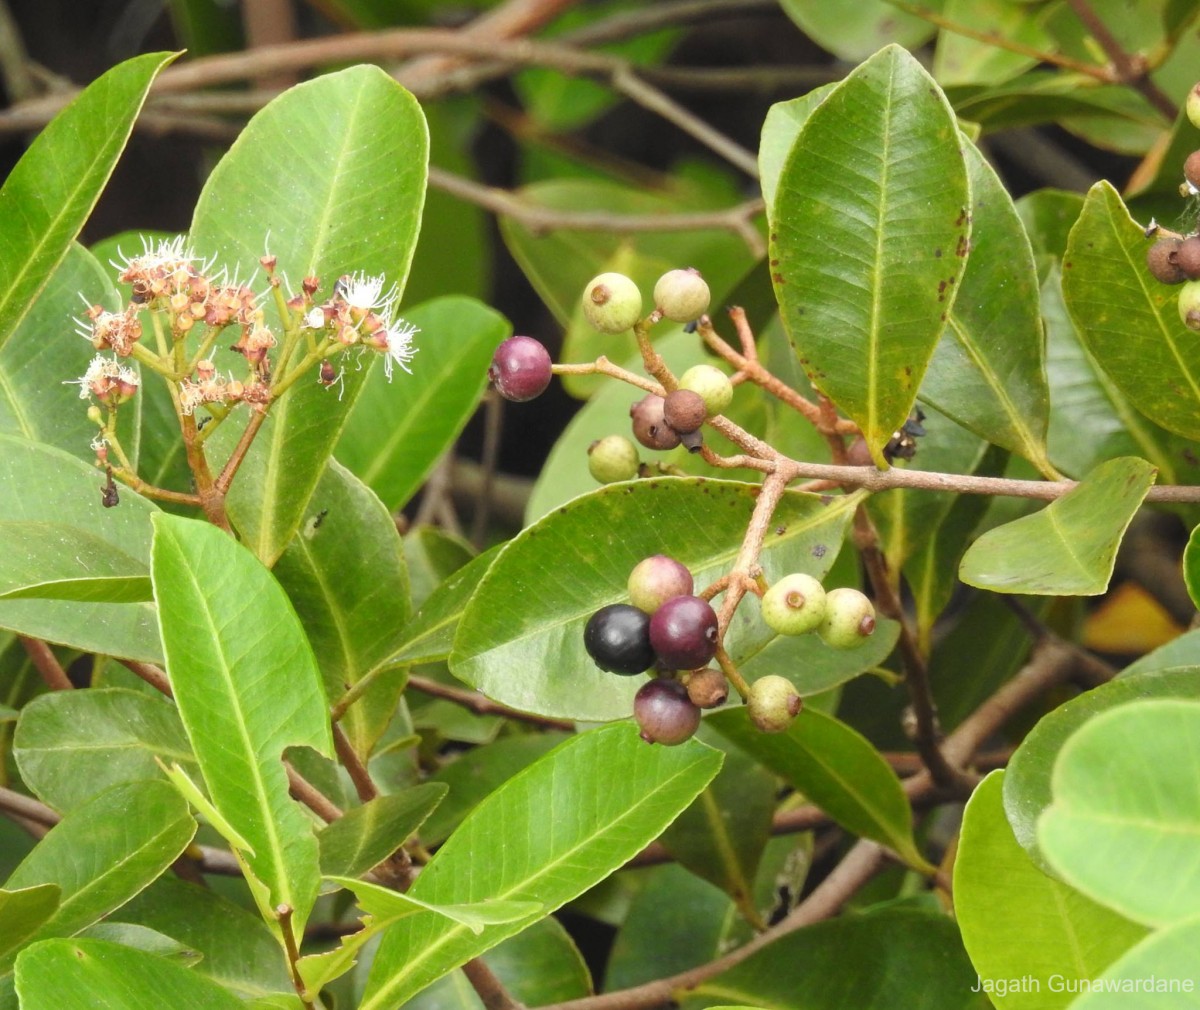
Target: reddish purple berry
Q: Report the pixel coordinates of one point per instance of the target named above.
(617, 637)
(664, 712)
(683, 632)
(520, 369)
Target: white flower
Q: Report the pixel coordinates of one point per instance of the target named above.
(315, 318)
(100, 372)
(365, 293)
(400, 348)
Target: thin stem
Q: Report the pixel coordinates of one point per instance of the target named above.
(238, 456)
(482, 705)
(363, 784)
(284, 915)
(308, 794)
(46, 664)
(488, 987)
(602, 366)
(493, 425)
(151, 674)
(27, 808)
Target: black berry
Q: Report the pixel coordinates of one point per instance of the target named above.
(683, 632)
(520, 369)
(664, 713)
(617, 637)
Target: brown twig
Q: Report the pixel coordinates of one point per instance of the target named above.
(27, 808)
(482, 705)
(363, 783)
(151, 674)
(308, 794)
(488, 987)
(46, 664)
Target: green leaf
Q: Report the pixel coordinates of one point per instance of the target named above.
(56, 561)
(521, 638)
(721, 836)
(344, 573)
(1164, 963)
(988, 371)
(42, 357)
(1069, 547)
(397, 432)
(22, 911)
(365, 836)
(835, 768)
(247, 687)
(1125, 822)
(960, 60)
(1017, 922)
(84, 974)
(432, 555)
(883, 959)
(869, 237)
(1048, 215)
(119, 735)
(54, 483)
(141, 938)
(1191, 566)
(238, 950)
(1128, 320)
(103, 852)
(606, 793)
(331, 175)
(783, 124)
(854, 32)
(51, 192)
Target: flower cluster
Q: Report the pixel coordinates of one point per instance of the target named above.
(108, 381)
(360, 312)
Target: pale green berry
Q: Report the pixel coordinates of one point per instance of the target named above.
(795, 605)
(773, 703)
(712, 384)
(612, 303)
(681, 295)
(849, 619)
(1193, 106)
(613, 458)
(1189, 304)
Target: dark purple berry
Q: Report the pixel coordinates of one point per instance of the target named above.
(649, 426)
(664, 712)
(656, 579)
(617, 637)
(683, 632)
(684, 410)
(520, 369)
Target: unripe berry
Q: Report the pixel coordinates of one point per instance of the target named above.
(683, 633)
(858, 454)
(656, 579)
(1189, 305)
(1163, 260)
(681, 295)
(1191, 169)
(520, 369)
(795, 605)
(712, 384)
(613, 458)
(617, 637)
(773, 703)
(849, 618)
(684, 410)
(612, 303)
(664, 713)
(1193, 106)
(650, 426)
(708, 688)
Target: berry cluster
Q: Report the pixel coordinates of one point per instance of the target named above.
(1175, 259)
(798, 604)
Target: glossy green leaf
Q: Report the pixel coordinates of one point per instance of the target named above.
(1017, 922)
(876, 961)
(988, 371)
(1125, 821)
(54, 483)
(479, 772)
(247, 687)
(331, 177)
(23, 910)
(238, 949)
(103, 852)
(366, 835)
(521, 638)
(43, 355)
(84, 974)
(1069, 547)
(721, 836)
(1158, 972)
(870, 233)
(606, 793)
(119, 735)
(854, 32)
(783, 124)
(144, 939)
(1091, 420)
(429, 636)
(396, 432)
(344, 573)
(559, 264)
(837, 769)
(432, 555)
(1128, 320)
(50, 193)
(57, 561)
(539, 965)
(1191, 566)
(962, 60)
